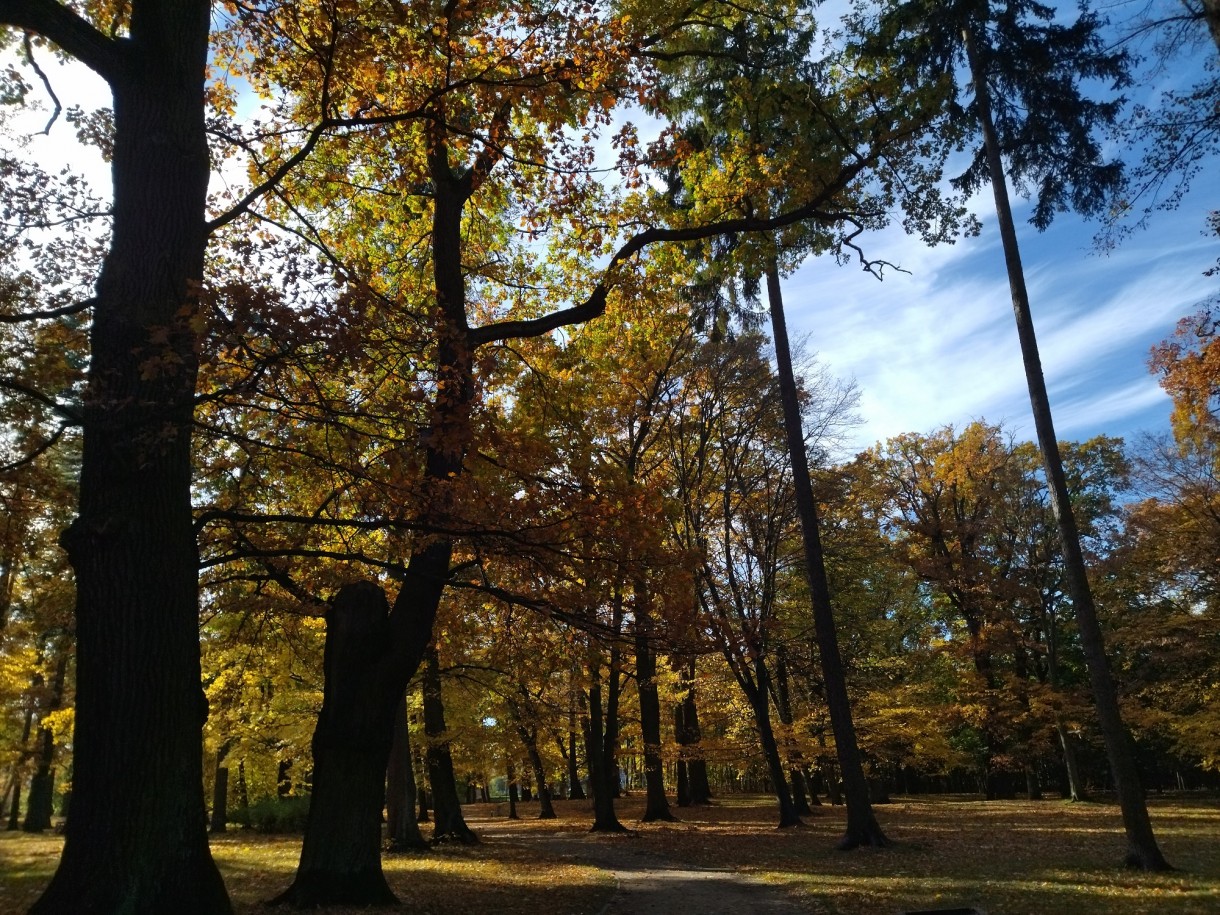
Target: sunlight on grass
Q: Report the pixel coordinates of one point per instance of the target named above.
(1008, 858)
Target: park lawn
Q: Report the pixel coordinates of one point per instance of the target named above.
(1014, 857)
(1004, 857)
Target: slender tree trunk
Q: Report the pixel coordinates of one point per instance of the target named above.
(42, 785)
(283, 779)
(136, 835)
(448, 822)
(529, 738)
(602, 766)
(512, 791)
(783, 704)
(862, 826)
(401, 826)
(1142, 848)
(243, 795)
(696, 765)
(1076, 792)
(14, 811)
(758, 694)
(656, 806)
(575, 790)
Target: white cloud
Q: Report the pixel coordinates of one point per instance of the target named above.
(939, 345)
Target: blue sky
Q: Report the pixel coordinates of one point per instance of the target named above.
(939, 345)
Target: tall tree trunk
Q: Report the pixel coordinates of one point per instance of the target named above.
(602, 765)
(1142, 848)
(341, 854)
(42, 785)
(401, 826)
(862, 826)
(575, 790)
(700, 788)
(529, 737)
(218, 823)
(136, 835)
(14, 810)
(759, 695)
(783, 704)
(656, 806)
(447, 819)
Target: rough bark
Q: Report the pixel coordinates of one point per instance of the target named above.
(448, 824)
(862, 826)
(136, 833)
(1142, 849)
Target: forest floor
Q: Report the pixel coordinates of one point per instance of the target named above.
(998, 857)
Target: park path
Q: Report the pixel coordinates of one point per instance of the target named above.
(649, 884)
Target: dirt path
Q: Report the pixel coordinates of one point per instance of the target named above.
(648, 884)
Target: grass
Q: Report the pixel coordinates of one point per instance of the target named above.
(1014, 857)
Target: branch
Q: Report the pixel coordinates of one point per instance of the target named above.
(63, 27)
(46, 83)
(595, 305)
(22, 316)
(39, 451)
(65, 413)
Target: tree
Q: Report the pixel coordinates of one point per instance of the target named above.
(135, 834)
(1025, 74)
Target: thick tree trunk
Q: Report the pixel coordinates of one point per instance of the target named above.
(448, 822)
(401, 826)
(862, 826)
(341, 854)
(1142, 848)
(136, 836)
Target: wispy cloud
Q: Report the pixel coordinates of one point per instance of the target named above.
(939, 345)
